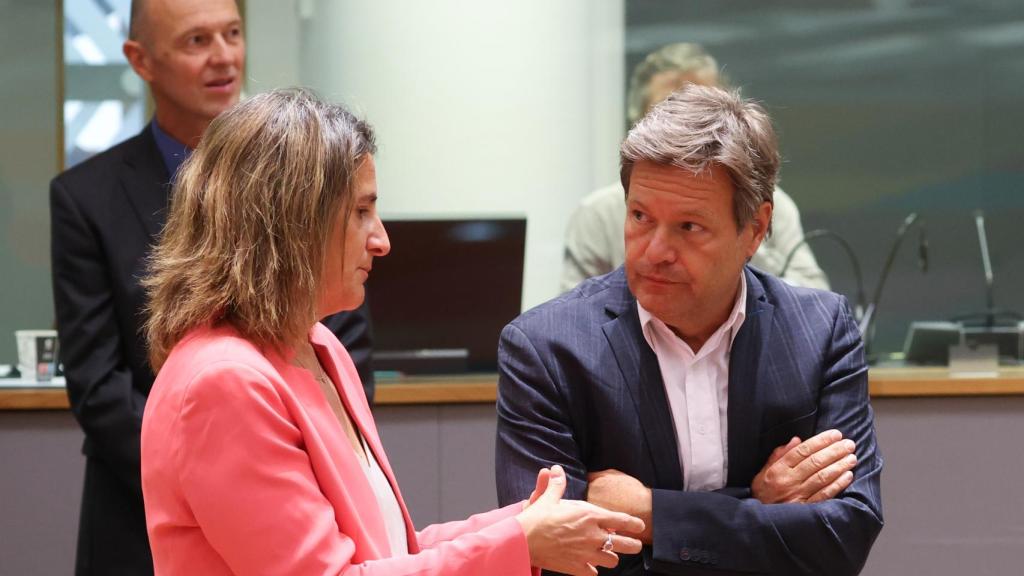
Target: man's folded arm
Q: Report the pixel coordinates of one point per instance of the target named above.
(731, 532)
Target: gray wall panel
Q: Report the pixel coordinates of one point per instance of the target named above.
(951, 485)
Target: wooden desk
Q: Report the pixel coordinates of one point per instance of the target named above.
(481, 388)
(448, 389)
(934, 382)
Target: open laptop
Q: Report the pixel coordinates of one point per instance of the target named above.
(441, 297)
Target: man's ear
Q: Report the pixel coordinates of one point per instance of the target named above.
(759, 226)
(138, 58)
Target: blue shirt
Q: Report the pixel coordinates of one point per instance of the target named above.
(173, 152)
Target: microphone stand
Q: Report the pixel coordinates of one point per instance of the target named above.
(992, 316)
(867, 322)
(986, 262)
(858, 311)
(865, 312)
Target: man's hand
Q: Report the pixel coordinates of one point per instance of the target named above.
(805, 472)
(621, 492)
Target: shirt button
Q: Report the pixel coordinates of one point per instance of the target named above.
(702, 429)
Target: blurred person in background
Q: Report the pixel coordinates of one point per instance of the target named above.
(593, 241)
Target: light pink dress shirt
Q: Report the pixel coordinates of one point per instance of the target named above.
(697, 387)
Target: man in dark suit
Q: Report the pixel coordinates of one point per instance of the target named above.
(724, 407)
(106, 213)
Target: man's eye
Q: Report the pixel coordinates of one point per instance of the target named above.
(639, 216)
(692, 227)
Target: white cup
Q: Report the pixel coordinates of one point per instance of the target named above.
(37, 353)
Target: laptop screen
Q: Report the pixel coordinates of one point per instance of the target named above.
(447, 286)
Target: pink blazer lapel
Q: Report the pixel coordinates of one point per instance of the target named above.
(343, 373)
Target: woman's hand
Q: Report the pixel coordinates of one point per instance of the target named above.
(542, 485)
(569, 536)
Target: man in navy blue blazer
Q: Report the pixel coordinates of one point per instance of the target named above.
(726, 408)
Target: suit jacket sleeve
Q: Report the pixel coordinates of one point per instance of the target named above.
(355, 331)
(693, 529)
(247, 479)
(99, 380)
(436, 534)
(535, 428)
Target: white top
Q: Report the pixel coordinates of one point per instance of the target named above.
(388, 503)
(697, 387)
(594, 242)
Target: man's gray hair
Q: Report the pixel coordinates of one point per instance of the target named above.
(698, 127)
(681, 57)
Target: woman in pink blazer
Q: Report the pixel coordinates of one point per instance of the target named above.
(259, 451)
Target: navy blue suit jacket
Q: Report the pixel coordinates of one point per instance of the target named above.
(579, 386)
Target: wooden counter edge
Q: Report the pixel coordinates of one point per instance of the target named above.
(390, 394)
(33, 399)
(964, 387)
(436, 393)
(483, 390)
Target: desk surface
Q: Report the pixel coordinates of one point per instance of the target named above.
(481, 388)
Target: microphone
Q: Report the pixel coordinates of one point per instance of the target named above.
(999, 327)
(922, 249)
(858, 310)
(865, 311)
(867, 323)
(992, 316)
(986, 263)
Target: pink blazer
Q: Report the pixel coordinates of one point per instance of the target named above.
(246, 470)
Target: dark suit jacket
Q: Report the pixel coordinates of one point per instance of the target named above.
(105, 214)
(579, 386)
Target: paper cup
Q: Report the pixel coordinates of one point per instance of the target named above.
(37, 353)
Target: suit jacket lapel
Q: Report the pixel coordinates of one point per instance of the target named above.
(642, 375)
(146, 182)
(746, 359)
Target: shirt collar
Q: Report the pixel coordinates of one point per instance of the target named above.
(173, 152)
(731, 327)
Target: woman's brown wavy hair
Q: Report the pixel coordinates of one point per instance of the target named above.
(249, 218)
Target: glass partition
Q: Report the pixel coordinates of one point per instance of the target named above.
(104, 101)
(29, 144)
(884, 109)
